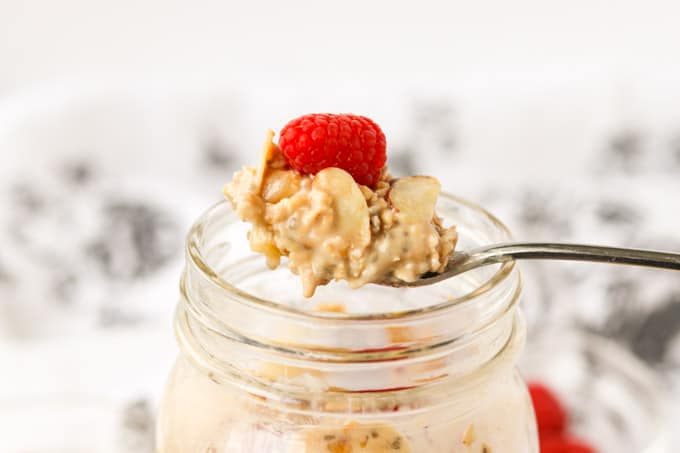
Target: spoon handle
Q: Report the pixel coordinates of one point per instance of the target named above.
(500, 253)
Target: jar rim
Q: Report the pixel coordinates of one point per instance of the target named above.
(193, 251)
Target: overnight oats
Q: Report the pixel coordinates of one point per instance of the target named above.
(354, 223)
(319, 360)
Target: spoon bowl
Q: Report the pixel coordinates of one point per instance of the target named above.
(462, 261)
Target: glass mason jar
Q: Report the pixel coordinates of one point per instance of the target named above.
(422, 370)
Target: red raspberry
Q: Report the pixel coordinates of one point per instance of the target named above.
(316, 141)
(559, 444)
(551, 416)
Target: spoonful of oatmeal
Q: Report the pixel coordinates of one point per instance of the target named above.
(324, 199)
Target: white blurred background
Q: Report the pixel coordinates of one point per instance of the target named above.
(120, 121)
(334, 40)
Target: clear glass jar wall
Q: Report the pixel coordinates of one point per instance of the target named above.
(424, 370)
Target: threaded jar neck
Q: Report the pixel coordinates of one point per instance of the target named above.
(241, 322)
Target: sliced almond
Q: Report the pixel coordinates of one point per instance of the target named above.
(280, 184)
(268, 150)
(349, 205)
(468, 436)
(332, 308)
(414, 198)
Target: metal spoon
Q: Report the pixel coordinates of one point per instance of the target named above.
(499, 253)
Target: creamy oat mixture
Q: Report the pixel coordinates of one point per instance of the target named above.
(354, 437)
(497, 420)
(332, 228)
